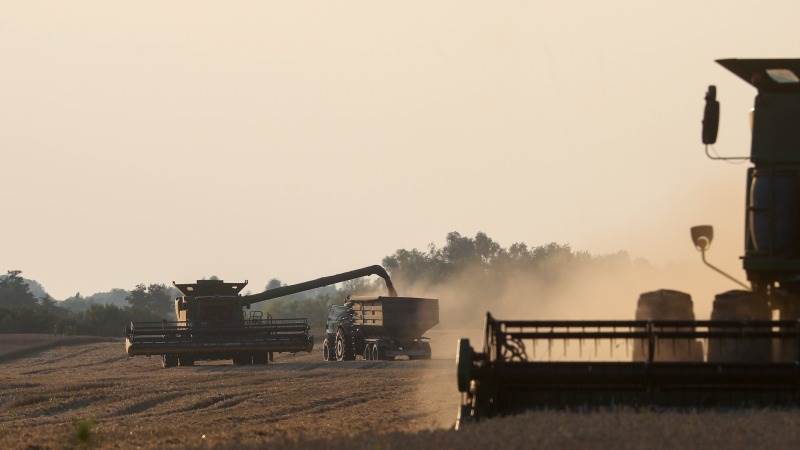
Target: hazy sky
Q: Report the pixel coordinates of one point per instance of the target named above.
(159, 141)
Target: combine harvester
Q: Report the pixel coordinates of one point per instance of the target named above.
(211, 323)
(658, 359)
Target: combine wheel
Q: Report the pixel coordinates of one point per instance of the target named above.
(740, 305)
(242, 360)
(344, 348)
(261, 359)
(667, 304)
(185, 360)
(169, 360)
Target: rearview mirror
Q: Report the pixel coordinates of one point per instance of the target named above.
(711, 116)
(702, 235)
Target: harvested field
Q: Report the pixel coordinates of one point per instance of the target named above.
(137, 404)
(14, 346)
(303, 402)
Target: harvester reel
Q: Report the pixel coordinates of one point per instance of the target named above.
(514, 350)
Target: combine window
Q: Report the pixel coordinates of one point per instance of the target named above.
(783, 76)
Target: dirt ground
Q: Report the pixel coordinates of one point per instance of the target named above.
(303, 402)
(135, 403)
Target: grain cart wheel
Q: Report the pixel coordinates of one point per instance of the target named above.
(368, 352)
(344, 348)
(426, 347)
(185, 360)
(169, 360)
(328, 353)
(380, 354)
(740, 305)
(374, 352)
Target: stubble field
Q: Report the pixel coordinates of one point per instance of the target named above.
(303, 402)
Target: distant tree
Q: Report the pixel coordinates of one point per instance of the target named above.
(48, 302)
(14, 291)
(273, 283)
(155, 299)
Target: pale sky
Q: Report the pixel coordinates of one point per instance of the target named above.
(153, 141)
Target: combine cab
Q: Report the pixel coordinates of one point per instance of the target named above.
(213, 322)
(665, 357)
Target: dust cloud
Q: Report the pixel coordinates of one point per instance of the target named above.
(601, 290)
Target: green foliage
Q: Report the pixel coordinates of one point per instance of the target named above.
(78, 303)
(155, 299)
(20, 312)
(83, 430)
(14, 291)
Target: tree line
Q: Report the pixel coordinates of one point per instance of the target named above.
(23, 312)
(475, 271)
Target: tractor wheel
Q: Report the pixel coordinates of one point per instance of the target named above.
(344, 348)
(169, 360)
(185, 360)
(328, 353)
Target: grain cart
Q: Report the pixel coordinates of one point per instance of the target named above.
(665, 357)
(379, 328)
(212, 323)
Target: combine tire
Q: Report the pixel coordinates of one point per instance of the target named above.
(666, 304)
(344, 348)
(185, 361)
(242, 360)
(169, 360)
(261, 359)
(740, 305)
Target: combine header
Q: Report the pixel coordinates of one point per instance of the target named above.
(665, 357)
(211, 323)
